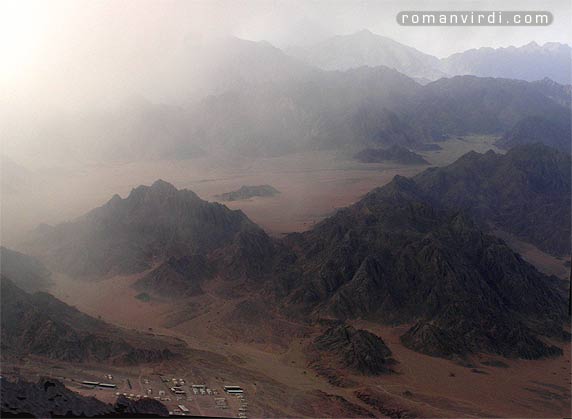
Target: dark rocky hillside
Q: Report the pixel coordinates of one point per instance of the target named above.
(177, 277)
(39, 324)
(395, 257)
(469, 104)
(395, 154)
(324, 110)
(26, 272)
(50, 398)
(153, 223)
(556, 134)
(247, 192)
(358, 350)
(526, 192)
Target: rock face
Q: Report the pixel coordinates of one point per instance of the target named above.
(247, 192)
(177, 277)
(525, 192)
(395, 257)
(26, 272)
(395, 154)
(50, 398)
(358, 350)
(555, 134)
(126, 236)
(40, 324)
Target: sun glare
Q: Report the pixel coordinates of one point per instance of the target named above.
(23, 25)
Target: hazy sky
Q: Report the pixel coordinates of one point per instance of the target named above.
(93, 48)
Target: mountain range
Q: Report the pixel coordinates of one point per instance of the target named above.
(525, 192)
(351, 91)
(416, 251)
(368, 107)
(395, 257)
(529, 62)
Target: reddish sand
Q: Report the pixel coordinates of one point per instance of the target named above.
(270, 359)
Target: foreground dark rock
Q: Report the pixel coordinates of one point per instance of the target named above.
(50, 398)
(39, 324)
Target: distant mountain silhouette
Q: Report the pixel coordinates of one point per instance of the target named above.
(528, 62)
(368, 107)
(364, 48)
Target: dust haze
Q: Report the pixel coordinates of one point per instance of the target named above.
(91, 88)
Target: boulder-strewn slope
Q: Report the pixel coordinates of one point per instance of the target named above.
(152, 224)
(395, 257)
(39, 324)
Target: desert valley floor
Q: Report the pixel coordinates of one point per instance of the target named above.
(269, 358)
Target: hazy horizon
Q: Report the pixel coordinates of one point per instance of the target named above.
(63, 54)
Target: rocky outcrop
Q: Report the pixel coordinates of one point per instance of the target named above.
(358, 350)
(247, 192)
